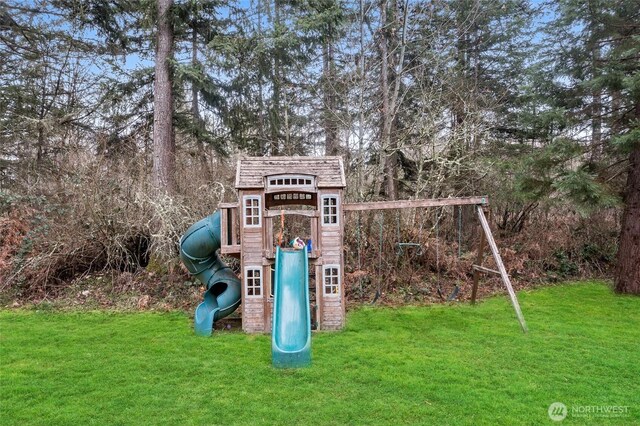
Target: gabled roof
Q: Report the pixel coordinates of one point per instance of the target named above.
(252, 170)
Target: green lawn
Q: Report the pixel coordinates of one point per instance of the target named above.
(430, 365)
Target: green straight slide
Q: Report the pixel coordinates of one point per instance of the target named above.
(291, 331)
(198, 247)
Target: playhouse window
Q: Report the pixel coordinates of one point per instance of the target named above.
(253, 281)
(290, 181)
(331, 279)
(330, 210)
(252, 211)
(292, 196)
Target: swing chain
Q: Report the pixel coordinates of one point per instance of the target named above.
(359, 236)
(438, 245)
(459, 232)
(380, 247)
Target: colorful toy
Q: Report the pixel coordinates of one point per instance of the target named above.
(297, 243)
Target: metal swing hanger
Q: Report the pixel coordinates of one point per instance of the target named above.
(401, 246)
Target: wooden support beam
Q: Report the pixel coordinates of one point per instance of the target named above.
(314, 234)
(290, 189)
(268, 233)
(277, 213)
(234, 226)
(319, 296)
(476, 273)
(501, 268)
(479, 268)
(270, 255)
(224, 238)
(235, 249)
(405, 204)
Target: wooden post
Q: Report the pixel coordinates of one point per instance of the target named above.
(224, 239)
(405, 204)
(486, 270)
(234, 226)
(266, 304)
(319, 295)
(476, 273)
(268, 240)
(501, 268)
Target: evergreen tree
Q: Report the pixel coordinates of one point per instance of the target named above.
(321, 26)
(595, 79)
(163, 135)
(46, 95)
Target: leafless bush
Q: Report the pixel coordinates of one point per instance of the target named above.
(96, 214)
(573, 247)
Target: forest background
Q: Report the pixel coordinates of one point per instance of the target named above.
(121, 122)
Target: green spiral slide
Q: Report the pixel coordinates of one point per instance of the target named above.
(198, 247)
(291, 333)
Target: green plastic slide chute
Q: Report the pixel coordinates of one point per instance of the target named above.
(198, 247)
(291, 331)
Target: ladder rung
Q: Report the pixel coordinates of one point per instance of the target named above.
(483, 269)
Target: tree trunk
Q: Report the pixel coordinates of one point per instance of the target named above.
(195, 106)
(264, 146)
(387, 153)
(276, 84)
(163, 137)
(596, 107)
(328, 74)
(462, 51)
(363, 88)
(627, 278)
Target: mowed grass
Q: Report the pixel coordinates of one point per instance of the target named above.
(428, 365)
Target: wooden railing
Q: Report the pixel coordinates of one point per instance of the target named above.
(229, 231)
(405, 204)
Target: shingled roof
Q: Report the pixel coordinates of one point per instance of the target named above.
(252, 170)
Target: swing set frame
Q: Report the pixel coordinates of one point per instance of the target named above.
(486, 237)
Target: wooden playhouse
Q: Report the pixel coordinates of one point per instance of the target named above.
(298, 199)
(280, 198)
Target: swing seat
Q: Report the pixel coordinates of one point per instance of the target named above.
(450, 297)
(400, 247)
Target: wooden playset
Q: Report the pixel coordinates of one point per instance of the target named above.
(266, 186)
(310, 192)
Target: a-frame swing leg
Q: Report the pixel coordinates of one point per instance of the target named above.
(476, 272)
(501, 268)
